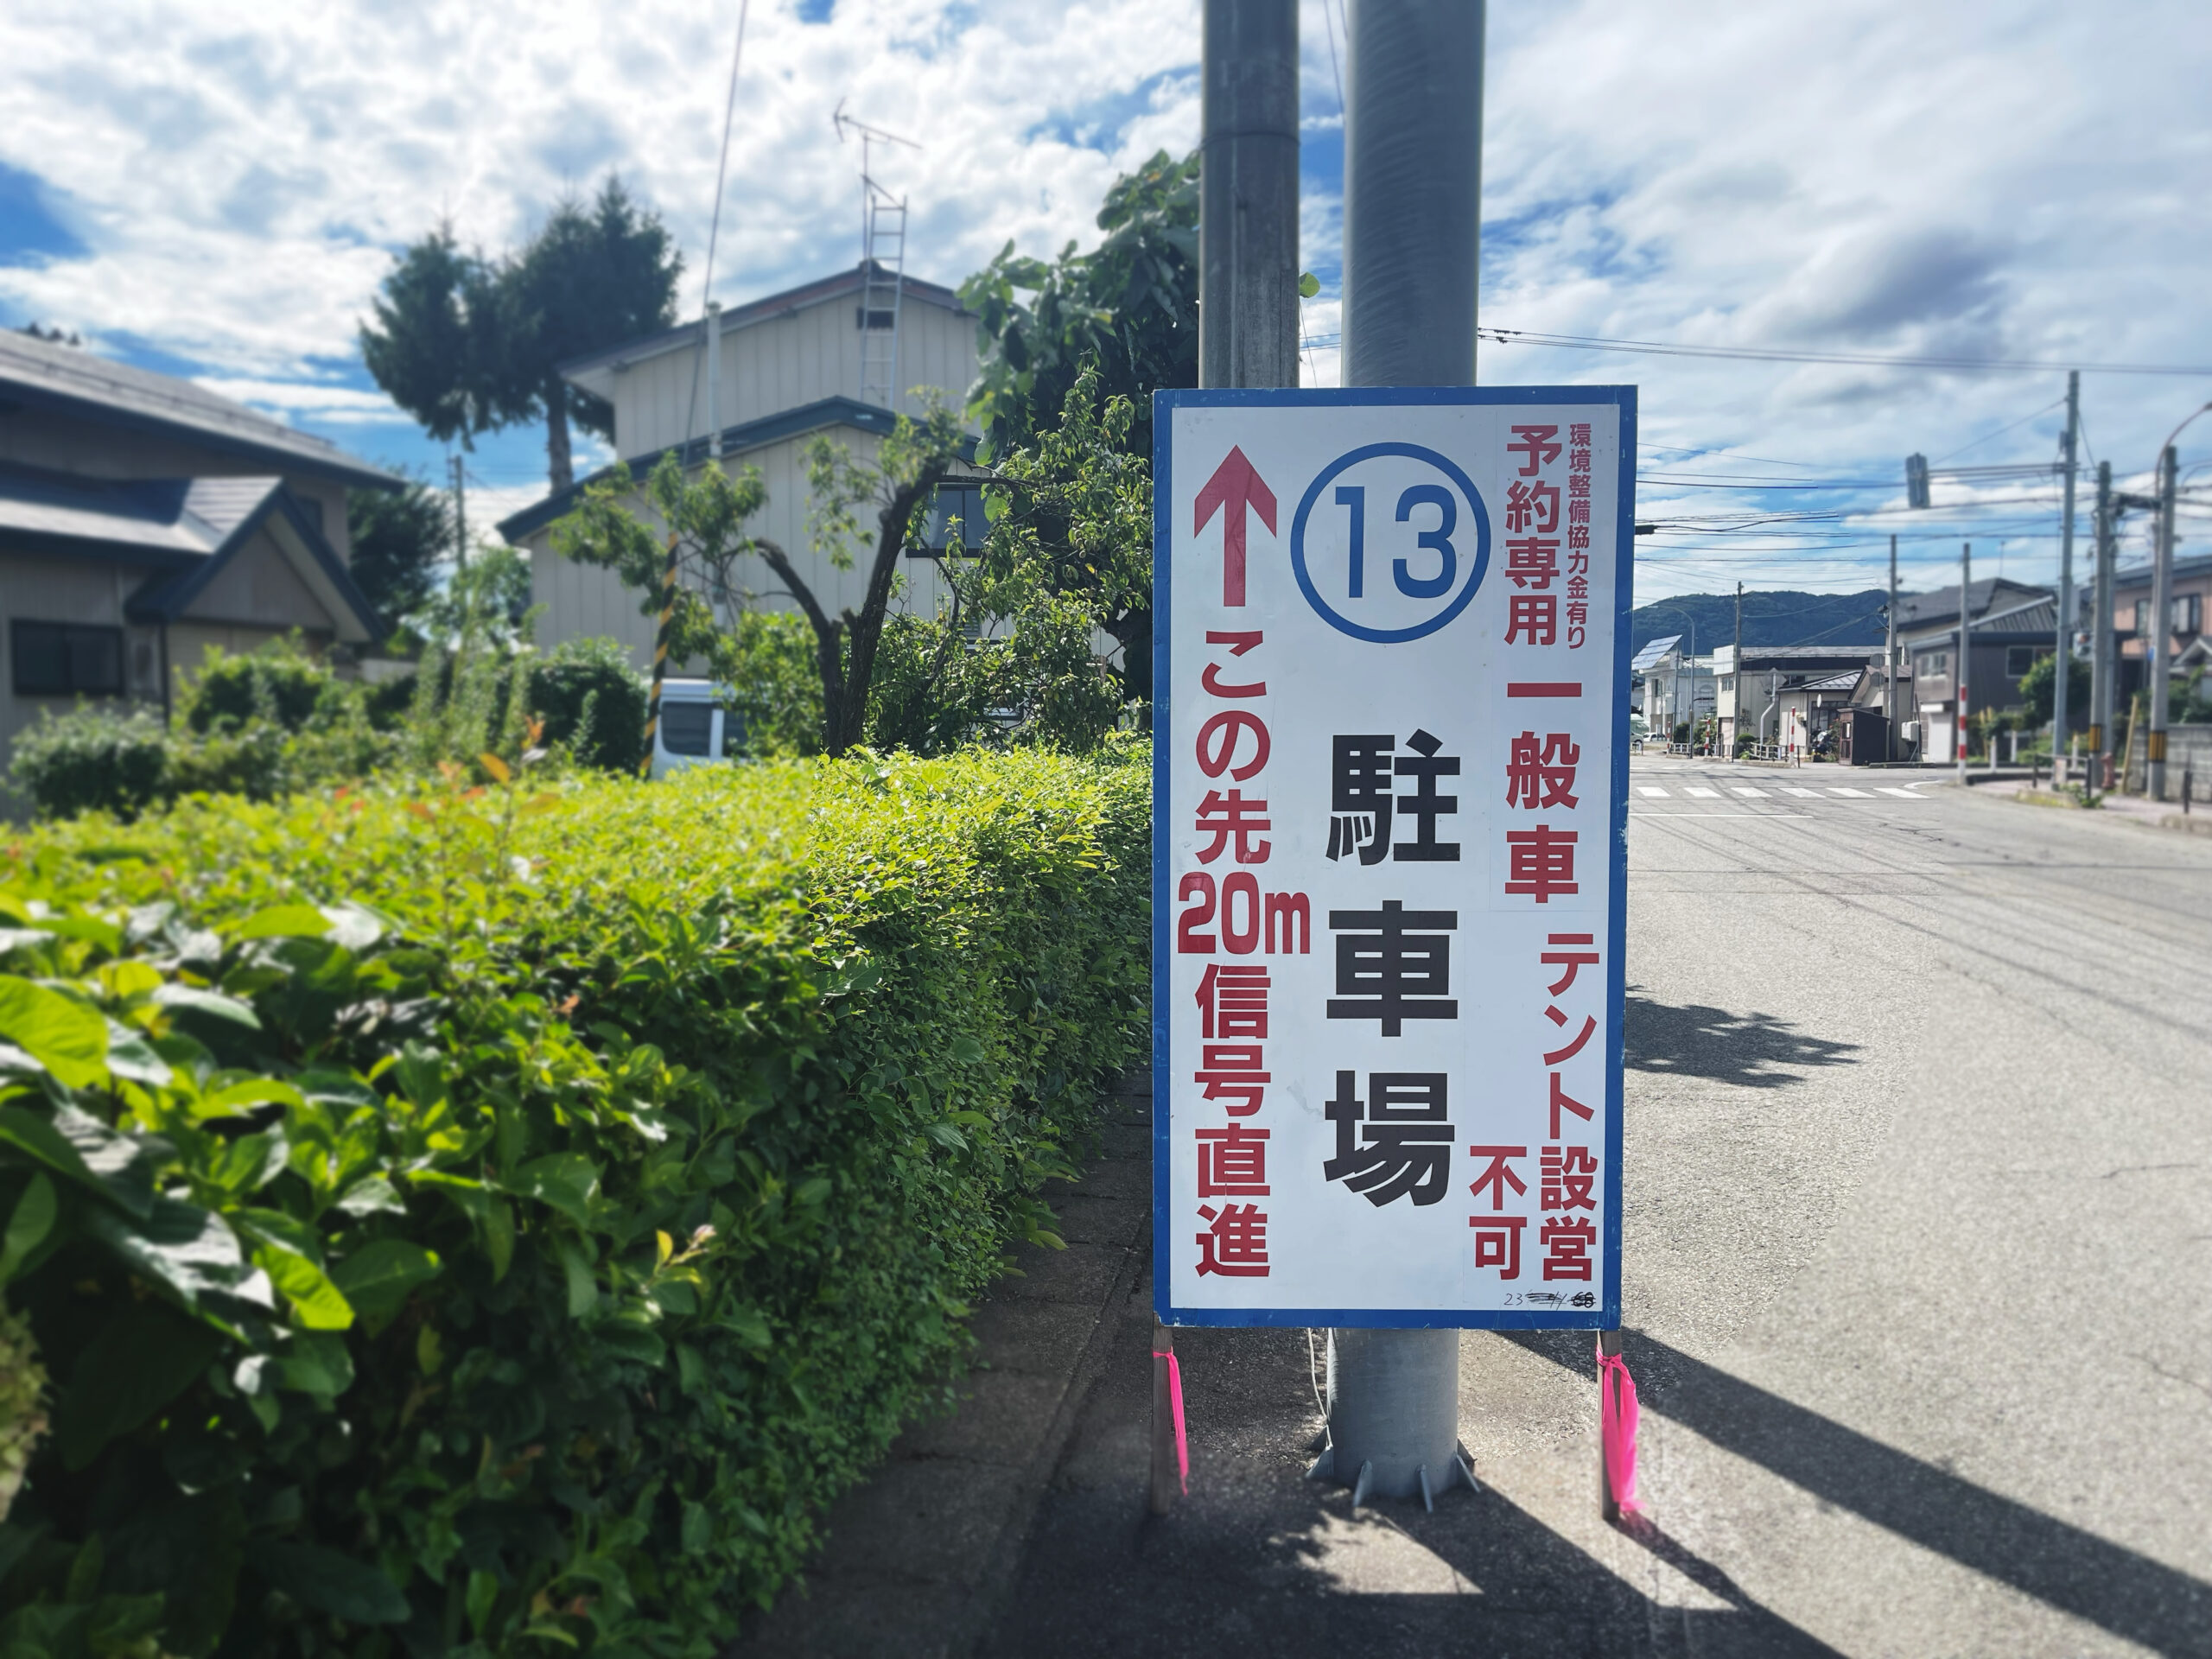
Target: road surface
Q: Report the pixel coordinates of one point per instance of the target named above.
(1918, 1239)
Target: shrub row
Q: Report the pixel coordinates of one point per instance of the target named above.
(277, 720)
(491, 1221)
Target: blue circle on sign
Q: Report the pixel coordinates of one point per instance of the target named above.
(1394, 635)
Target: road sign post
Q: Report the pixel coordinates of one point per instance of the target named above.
(1390, 812)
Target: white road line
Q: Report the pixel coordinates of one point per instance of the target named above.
(1753, 794)
(1655, 792)
(1801, 794)
(1856, 794)
(1702, 794)
(1902, 794)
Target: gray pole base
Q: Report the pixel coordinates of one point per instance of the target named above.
(1394, 1412)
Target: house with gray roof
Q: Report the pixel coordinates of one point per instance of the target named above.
(144, 519)
(2012, 625)
(753, 386)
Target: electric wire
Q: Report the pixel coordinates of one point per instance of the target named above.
(1870, 359)
(714, 225)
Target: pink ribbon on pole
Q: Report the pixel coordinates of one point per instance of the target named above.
(1175, 1404)
(1617, 1414)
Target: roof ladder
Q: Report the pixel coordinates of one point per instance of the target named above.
(883, 262)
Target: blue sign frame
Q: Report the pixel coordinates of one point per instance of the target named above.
(1606, 1316)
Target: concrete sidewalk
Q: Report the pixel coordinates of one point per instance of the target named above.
(921, 1555)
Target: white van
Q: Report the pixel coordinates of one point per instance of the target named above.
(694, 729)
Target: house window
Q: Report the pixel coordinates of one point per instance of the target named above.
(1728, 683)
(2187, 611)
(864, 318)
(2018, 660)
(62, 660)
(2142, 615)
(1934, 664)
(961, 501)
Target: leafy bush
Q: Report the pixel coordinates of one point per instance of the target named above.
(472, 1221)
(279, 684)
(593, 702)
(767, 659)
(96, 758)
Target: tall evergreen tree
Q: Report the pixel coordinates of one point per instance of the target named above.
(467, 343)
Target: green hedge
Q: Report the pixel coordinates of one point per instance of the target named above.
(497, 1221)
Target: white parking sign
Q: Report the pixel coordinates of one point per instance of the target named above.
(1390, 809)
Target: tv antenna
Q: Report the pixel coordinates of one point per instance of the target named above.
(883, 261)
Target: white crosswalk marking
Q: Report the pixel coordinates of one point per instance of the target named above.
(1702, 794)
(1810, 794)
(1902, 794)
(1653, 791)
(1856, 794)
(1753, 794)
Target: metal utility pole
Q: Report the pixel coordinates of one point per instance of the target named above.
(2100, 630)
(1247, 194)
(1959, 674)
(1890, 662)
(1413, 214)
(459, 512)
(2064, 665)
(1735, 680)
(1248, 333)
(2158, 632)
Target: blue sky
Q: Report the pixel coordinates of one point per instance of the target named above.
(214, 188)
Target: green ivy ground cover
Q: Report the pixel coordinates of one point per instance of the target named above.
(496, 1221)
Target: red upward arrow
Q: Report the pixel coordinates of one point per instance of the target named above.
(1234, 486)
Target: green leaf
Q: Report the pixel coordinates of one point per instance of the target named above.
(255, 1092)
(583, 1290)
(318, 1364)
(284, 922)
(142, 1358)
(28, 1226)
(564, 1179)
(376, 1278)
(76, 1145)
(193, 1000)
(967, 1050)
(633, 1343)
(182, 1249)
(946, 1137)
(285, 1232)
(131, 1056)
(67, 1037)
(315, 1301)
(328, 1582)
(247, 1164)
(371, 1195)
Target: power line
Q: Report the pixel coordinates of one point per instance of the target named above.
(1762, 354)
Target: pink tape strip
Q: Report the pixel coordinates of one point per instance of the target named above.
(1617, 1416)
(1175, 1401)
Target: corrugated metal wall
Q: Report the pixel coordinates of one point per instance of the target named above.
(584, 601)
(787, 362)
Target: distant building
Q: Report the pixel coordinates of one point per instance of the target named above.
(1785, 695)
(2012, 625)
(144, 520)
(1677, 686)
(791, 368)
(2190, 599)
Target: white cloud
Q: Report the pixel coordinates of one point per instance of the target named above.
(2021, 178)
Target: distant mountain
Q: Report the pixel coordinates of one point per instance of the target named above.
(1770, 618)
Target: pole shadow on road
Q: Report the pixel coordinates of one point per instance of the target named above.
(1258, 1560)
(1695, 1041)
(2076, 1571)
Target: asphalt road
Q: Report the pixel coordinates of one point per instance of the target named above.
(1918, 1236)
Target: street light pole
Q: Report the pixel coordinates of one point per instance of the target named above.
(2157, 637)
(2065, 663)
(1959, 678)
(2101, 640)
